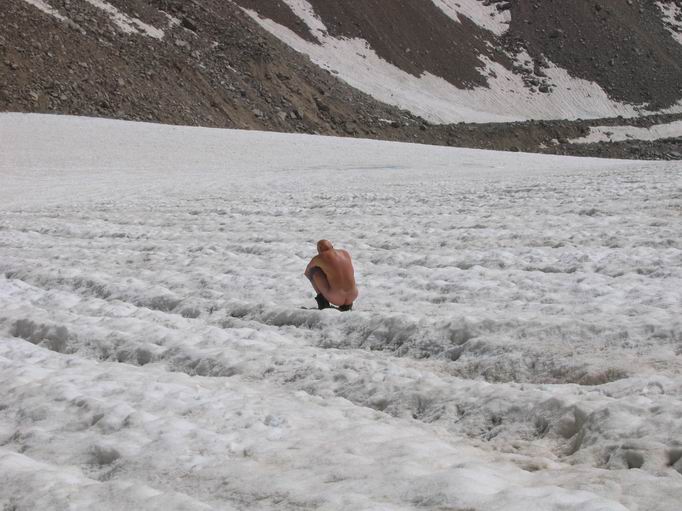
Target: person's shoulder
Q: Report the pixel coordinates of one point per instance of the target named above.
(344, 252)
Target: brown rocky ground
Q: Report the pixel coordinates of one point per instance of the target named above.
(217, 68)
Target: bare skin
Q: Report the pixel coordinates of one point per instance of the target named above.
(331, 274)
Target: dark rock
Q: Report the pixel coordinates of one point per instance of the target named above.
(188, 24)
(321, 106)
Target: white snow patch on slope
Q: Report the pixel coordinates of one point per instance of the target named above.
(46, 8)
(125, 23)
(620, 133)
(506, 99)
(486, 16)
(305, 11)
(172, 20)
(672, 14)
(153, 348)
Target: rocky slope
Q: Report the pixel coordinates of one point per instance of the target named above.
(220, 63)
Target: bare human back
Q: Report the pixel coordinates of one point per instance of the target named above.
(332, 276)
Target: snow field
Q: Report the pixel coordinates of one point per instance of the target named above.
(516, 343)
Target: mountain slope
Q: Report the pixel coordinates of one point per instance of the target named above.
(542, 60)
(394, 74)
(211, 66)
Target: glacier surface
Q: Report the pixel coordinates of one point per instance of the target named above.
(517, 343)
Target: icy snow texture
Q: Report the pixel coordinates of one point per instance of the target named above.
(154, 355)
(619, 133)
(505, 99)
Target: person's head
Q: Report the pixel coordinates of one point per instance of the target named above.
(323, 246)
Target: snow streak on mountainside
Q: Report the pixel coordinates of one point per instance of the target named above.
(499, 95)
(125, 23)
(517, 343)
(484, 14)
(46, 8)
(673, 17)
(453, 61)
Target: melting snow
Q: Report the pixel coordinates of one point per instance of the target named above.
(154, 355)
(619, 133)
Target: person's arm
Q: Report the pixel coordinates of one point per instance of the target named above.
(314, 263)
